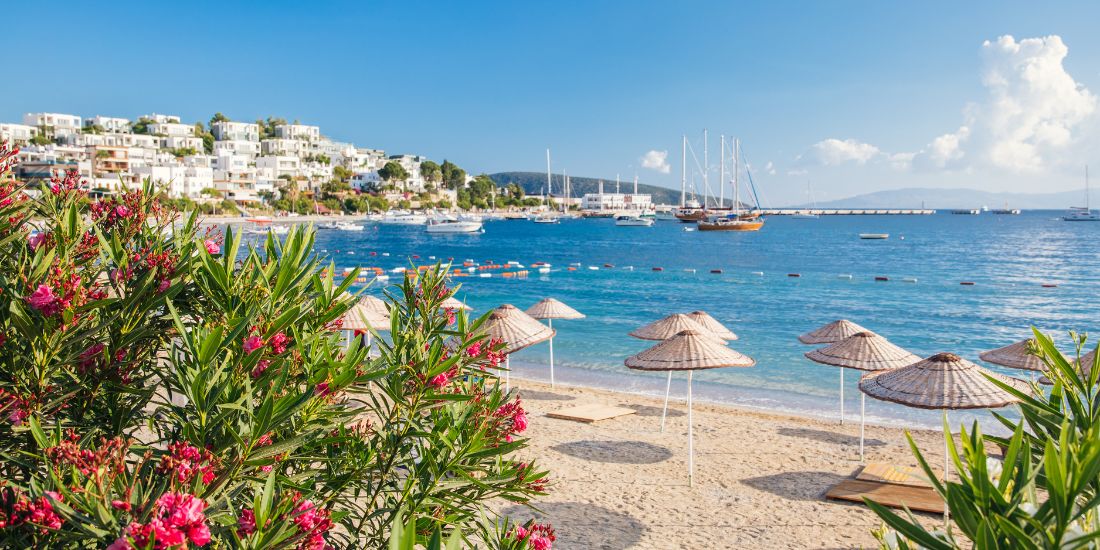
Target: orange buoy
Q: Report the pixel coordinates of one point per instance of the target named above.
(572, 269)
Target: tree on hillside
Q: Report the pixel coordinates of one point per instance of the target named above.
(342, 174)
(392, 172)
(218, 117)
(453, 176)
(207, 137)
(431, 172)
(267, 127)
(141, 126)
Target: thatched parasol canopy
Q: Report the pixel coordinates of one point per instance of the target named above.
(864, 351)
(832, 332)
(550, 308)
(454, 303)
(366, 314)
(671, 326)
(1015, 356)
(688, 350)
(712, 325)
(942, 381)
(515, 328)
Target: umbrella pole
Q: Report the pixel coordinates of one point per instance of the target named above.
(664, 412)
(507, 373)
(862, 421)
(946, 467)
(551, 323)
(691, 439)
(348, 336)
(841, 396)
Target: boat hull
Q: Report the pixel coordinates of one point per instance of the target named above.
(733, 225)
(690, 215)
(454, 227)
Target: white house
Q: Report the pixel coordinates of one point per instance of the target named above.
(283, 147)
(237, 147)
(61, 124)
(163, 119)
(298, 131)
(181, 142)
(171, 129)
(17, 133)
(109, 124)
(366, 181)
(227, 130)
(274, 167)
(616, 201)
(179, 180)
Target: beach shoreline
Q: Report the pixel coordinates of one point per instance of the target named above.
(760, 477)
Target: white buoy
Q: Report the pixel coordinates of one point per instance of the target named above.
(758, 273)
(844, 276)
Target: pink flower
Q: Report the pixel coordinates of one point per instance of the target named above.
(474, 349)
(519, 421)
(260, 368)
(279, 343)
(211, 246)
(35, 240)
(200, 534)
(164, 284)
(439, 380)
(252, 343)
(122, 211)
(322, 389)
(540, 543)
(120, 505)
(120, 544)
(44, 300)
(246, 524)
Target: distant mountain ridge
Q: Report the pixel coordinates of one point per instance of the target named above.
(919, 197)
(533, 183)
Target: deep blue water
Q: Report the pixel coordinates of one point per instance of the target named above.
(1006, 257)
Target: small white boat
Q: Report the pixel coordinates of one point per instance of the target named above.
(1082, 213)
(633, 220)
(404, 218)
(804, 216)
(874, 236)
(453, 226)
(348, 226)
(546, 218)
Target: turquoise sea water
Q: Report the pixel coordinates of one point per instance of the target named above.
(1007, 258)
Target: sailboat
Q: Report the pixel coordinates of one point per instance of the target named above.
(690, 211)
(548, 215)
(1082, 213)
(808, 214)
(737, 220)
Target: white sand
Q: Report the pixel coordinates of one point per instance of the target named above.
(760, 479)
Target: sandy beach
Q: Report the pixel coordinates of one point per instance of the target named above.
(760, 478)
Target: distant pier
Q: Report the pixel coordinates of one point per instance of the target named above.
(847, 212)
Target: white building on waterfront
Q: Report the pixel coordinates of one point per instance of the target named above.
(228, 130)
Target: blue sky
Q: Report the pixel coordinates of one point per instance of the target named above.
(850, 96)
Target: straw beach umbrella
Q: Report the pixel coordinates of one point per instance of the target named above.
(1014, 356)
(712, 325)
(865, 351)
(690, 350)
(455, 304)
(943, 381)
(663, 330)
(831, 334)
(368, 313)
(516, 330)
(550, 309)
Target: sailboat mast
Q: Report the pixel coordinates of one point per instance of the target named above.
(706, 170)
(722, 173)
(736, 173)
(548, 183)
(1087, 189)
(683, 169)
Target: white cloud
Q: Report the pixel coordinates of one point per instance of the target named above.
(1031, 117)
(832, 151)
(769, 168)
(656, 160)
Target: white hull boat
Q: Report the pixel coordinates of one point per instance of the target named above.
(454, 226)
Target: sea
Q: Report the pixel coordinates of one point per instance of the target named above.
(769, 287)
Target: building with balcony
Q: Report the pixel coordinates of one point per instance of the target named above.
(19, 134)
(55, 124)
(228, 130)
(298, 131)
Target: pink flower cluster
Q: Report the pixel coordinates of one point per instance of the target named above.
(211, 246)
(511, 419)
(539, 485)
(178, 519)
(107, 455)
(442, 379)
(187, 461)
(312, 522)
(17, 408)
(279, 343)
(46, 302)
(37, 512)
(69, 182)
(538, 536)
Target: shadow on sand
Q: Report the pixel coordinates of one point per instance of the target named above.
(796, 485)
(648, 410)
(825, 436)
(618, 452)
(584, 526)
(536, 395)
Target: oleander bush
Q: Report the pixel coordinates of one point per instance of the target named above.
(1042, 492)
(165, 388)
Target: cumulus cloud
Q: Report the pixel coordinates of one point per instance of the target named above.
(832, 151)
(769, 168)
(656, 160)
(1032, 114)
